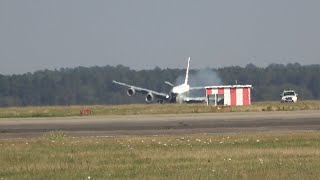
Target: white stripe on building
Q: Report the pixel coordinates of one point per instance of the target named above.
(227, 97)
(239, 92)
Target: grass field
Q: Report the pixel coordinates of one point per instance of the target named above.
(232, 156)
(64, 111)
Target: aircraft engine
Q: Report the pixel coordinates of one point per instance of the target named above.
(131, 91)
(149, 97)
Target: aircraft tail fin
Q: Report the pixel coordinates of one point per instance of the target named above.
(187, 72)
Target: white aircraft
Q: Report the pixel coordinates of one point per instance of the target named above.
(177, 94)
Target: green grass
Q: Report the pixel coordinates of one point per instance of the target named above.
(54, 135)
(232, 156)
(100, 110)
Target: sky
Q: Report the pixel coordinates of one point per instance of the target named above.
(143, 34)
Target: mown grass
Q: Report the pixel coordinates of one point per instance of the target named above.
(54, 135)
(233, 156)
(100, 110)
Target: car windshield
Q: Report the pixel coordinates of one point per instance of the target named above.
(290, 93)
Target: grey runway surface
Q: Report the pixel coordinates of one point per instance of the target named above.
(145, 125)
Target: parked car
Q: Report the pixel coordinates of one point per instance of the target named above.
(289, 96)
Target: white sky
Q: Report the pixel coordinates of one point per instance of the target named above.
(142, 34)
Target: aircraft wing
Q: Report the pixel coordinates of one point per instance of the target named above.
(194, 99)
(197, 88)
(143, 90)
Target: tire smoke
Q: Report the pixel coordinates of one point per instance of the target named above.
(200, 78)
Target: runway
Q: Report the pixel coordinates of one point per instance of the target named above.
(147, 125)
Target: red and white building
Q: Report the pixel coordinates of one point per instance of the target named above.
(229, 95)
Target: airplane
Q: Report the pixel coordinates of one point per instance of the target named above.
(177, 94)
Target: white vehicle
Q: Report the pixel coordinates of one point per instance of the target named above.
(289, 96)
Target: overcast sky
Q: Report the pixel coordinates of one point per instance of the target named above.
(142, 34)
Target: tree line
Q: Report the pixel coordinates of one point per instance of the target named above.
(93, 85)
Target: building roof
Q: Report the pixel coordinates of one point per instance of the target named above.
(228, 86)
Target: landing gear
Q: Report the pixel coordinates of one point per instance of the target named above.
(160, 101)
(173, 98)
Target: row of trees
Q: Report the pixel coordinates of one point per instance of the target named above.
(82, 85)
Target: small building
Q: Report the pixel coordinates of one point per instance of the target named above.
(229, 95)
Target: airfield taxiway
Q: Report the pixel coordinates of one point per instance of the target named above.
(146, 125)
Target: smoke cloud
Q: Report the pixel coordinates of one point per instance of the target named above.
(200, 78)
